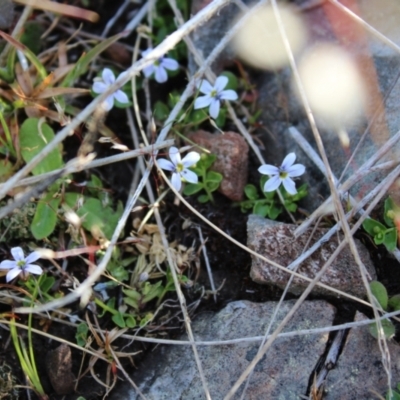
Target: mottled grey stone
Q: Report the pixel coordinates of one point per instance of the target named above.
(170, 372)
(275, 241)
(6, 13)
(359, 372)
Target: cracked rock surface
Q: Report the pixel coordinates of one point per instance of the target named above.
(276, 242)
(170, 372)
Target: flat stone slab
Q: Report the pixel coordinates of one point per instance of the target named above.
(359, 373)
(276, 242)
(170, 372)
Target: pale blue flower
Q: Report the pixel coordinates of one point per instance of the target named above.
(102, 84)
(21, 264)
(159, 67)
(214, 95)
(282, 175)
(179, 168)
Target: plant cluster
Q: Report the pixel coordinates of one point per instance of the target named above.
(385, 234)
(81, 214)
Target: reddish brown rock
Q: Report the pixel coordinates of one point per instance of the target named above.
(232, 160)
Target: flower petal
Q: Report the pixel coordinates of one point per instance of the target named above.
(289, 185)
(32, 257)
(170, 63)
(288, 161)
(190, 159)
(121, 97)
(220, 83)
(205, 87)
(228, 95)
(176, 181)
(202, 101)
(272, 184)
(174, 155)
(99, 87)
(17, 253)
(34, 269)
(214, 108)
(12, 274)
(108, 76)
(108, 103)
(161, 75)
(148, 71)
(189, 176)
(7, 264)
(296, 170)
(268, 169)
(165, 164)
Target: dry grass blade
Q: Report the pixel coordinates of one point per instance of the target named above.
(64, 9)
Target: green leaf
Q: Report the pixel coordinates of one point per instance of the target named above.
(380, 293)
(31, 36)
(81, 334)
(161, 111)
(33, 137)
(151, 291)
(213, 176)
(207, 160)
(45, 218)
(131, 302)
(203, 198)
(274, 212)
(192, 188)
(395, 395)
(130, 321)
(390, 239)
(387, 326)
(389, 212)
(83, 63)
(212, 186)
(292, 207)
(394, 302)
(251, 192)
(232, 82)
(220, 121)
(373, 227)
(132, 294)
(97, 219)
(46, 282)
(261, 209)
(119, 320)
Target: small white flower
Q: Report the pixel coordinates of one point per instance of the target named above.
(180, 167)
(21, 265)
(159, 67)
(100, 85)
(214, 95)
(282, 174)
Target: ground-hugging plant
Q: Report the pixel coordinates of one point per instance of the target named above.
(388, 304)
(386, 235)
(271, 205)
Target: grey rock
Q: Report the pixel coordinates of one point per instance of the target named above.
(276, 241)
(283, 373)
(6, 13)
(359, 372)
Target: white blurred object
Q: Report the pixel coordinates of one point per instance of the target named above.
(259, 41)
(333, 85)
